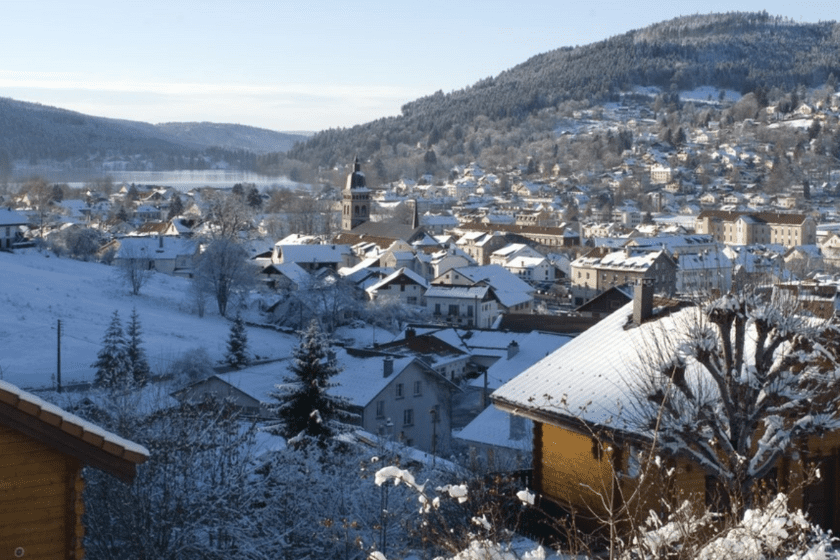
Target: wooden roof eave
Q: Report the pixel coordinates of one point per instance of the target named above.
(89, 448)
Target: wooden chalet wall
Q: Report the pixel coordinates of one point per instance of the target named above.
(40, 500)
(577, 472)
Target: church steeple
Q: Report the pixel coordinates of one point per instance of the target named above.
(356, 179)
(355, 207)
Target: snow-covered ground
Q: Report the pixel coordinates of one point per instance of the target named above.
(37, 289)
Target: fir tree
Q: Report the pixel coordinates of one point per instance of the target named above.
(305, 408)
(112, 365)
(138, 365)
(237, 346)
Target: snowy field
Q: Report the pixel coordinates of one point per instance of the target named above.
(37, 289)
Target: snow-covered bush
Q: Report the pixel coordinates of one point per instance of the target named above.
(764, 533)
(463, 521)
(191, 365)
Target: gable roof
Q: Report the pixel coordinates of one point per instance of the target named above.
(69, 434)
(162, 247)
(588, 378)
(412, 276)
(312, 253)
(9, 217)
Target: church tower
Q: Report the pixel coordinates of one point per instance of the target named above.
(355, 207)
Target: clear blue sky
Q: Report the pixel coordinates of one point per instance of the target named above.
(308, 65)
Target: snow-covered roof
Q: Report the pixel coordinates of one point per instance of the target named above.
(621, 260)
(155, 247)
(460, 292)
(408, 273)
(589, 377)
(509, 288)
(492, 428)
(313, 253)
(533, 347)
(360, 380)
(9, 217)
(293, 272)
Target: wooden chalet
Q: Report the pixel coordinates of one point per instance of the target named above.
(42, 452)
(586, 441)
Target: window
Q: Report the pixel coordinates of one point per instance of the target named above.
(418, 388)
(408, 417)
(437, 309)
(380, 409)
(400, 393)
(453, 309)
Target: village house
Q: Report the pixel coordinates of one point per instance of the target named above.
(175, 256)
(313, 257)
(601, 269)
(10, 224)
(404, 286)
(400, 398)
(474, 306)
(513, 294)
(586, 439)
(43, 450)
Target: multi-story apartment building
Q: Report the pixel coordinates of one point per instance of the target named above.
(750, 228)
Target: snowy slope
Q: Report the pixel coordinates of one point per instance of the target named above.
(37, 290)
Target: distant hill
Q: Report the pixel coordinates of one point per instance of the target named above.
(36, 132)
(231, 136)
(744, 52)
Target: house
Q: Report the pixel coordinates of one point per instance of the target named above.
(480, 245)
(10, 224)
(42, 452)
(313, 257)
(587, 435)
(513, 294)
(476, 306)
(285, 277)
(175, 256)
(601, 269)
(404, 286)
(393, 396)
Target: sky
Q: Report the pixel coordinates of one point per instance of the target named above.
(303, 66)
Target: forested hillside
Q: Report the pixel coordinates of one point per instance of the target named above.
(744, 52)
(36, 132)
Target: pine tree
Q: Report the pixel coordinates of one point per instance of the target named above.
(237, 346)
(112, 366)
(304, 405)
(138, 365)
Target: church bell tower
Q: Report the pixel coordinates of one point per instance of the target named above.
(355, 207)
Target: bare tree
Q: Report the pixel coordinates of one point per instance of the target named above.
(228, 213)
(41, 198)
(224, 271)
(736, 384)
(133, 269)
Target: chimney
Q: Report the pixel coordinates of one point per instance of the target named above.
(642, 300)
(512, 349)
(410, 333)
(388, 366)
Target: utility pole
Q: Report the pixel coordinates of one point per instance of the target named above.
(58, 359)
